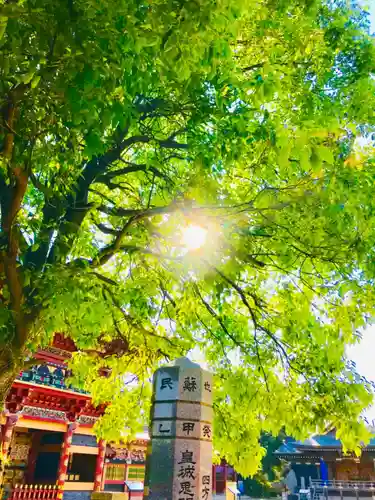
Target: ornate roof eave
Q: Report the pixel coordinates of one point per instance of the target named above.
(338, 449)
(296, 456)
(319, 448)
(43, 401)
(317, 451)
(51, 390)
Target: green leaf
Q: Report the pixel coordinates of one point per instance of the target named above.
(93, 144)
(35, 81)
(3, 25)
(26, 78)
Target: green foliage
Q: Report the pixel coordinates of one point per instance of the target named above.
(126, 122)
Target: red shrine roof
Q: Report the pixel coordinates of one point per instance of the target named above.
(58, 352)
(42, 391)
(60, 341)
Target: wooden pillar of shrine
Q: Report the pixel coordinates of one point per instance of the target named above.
(64, 459)
(99, 466)
(33, 455)
(225, 476)
(213, 479)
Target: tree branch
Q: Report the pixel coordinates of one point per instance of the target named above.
(121, 171)
(9, 116)
(218, 318)
(216, 337)
(77, 201)
(244, 300)
(106, 230)
(170, 144)
(133, 167)
(105, 279)
(252, 67)
(134, 323)
(109, 251)
(139, 212)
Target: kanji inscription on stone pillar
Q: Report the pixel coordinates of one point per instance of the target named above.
(179, 459)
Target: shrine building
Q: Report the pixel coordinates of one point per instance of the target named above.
(320, 464)
(48, 440)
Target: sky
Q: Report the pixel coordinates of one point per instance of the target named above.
(363, 353)
(371, 7)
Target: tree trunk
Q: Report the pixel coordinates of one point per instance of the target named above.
(10, 367)
(7, 377)
(11, 361)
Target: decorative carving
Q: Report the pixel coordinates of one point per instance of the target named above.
(87, 419)
(124, 454)
(19, 452)
(57, 351)
(16, 399)
(141, 442)
(67, 406)
(33, 411)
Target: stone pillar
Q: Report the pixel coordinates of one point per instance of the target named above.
(99, 466)
(179, 461)
(64, 459)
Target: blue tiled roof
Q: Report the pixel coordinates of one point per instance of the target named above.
(329, 440)
(287, 448)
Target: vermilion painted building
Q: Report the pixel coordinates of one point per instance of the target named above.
(47, 437)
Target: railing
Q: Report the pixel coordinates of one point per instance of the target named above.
(339, 488)
(34, 492)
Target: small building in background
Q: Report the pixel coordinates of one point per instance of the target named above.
(321, 463)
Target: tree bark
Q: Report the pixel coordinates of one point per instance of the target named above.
(7, 378)
(10, 367)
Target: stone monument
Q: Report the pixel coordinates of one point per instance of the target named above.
(179, 459)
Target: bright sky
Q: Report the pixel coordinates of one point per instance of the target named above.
(370, 4)
(363, 355)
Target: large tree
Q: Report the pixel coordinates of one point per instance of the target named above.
(124, 126)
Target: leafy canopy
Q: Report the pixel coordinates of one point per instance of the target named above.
(125, 122)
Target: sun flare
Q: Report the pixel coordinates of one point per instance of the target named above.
(194, 237)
